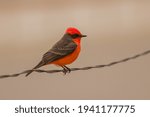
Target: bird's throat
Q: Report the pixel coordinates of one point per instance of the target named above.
(77, 40)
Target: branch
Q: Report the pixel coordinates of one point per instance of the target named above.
(82, 68)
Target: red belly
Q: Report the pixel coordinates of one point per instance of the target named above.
(69, 58)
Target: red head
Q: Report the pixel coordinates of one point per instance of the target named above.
(74, 32)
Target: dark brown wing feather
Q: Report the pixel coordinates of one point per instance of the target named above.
(61, 49)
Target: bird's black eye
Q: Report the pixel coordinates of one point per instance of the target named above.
(75, 36)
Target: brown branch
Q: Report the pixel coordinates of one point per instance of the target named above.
(82, 68)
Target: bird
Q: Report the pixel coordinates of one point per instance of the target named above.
(64, 52)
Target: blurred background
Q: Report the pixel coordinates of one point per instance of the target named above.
(116, 29)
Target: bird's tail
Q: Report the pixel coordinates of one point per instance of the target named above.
(37, 66)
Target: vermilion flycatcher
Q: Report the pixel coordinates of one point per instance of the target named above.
(64, 52)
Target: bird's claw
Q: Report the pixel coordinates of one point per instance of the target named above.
(66, 70)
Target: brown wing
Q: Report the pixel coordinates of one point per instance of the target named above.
(61, 49)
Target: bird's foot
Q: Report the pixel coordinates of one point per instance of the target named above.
(66, 70)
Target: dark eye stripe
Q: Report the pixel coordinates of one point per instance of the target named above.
(75, 35)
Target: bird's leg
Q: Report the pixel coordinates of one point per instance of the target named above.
(64, 70)
(68, 69)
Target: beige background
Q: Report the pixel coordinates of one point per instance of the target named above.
(116, 29)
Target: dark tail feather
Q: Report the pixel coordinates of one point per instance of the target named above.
(37, 66)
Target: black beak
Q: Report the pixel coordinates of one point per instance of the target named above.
(83, 35)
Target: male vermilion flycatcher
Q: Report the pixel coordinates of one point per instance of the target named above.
(64, 52)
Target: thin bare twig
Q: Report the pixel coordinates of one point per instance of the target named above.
(82, 68)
